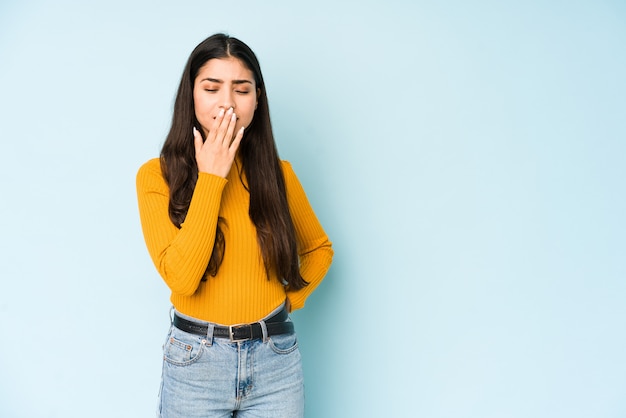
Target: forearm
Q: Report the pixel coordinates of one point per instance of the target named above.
(181, 255)
(313, 268)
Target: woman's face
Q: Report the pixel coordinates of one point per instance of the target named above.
(221, 84)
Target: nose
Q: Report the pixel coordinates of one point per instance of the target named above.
(227, 100)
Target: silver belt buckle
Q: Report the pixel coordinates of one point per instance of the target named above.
(233, 328)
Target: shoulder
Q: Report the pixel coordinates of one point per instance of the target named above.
(292, 183)
(150, 168)
(288, 172)
(286, 166)
(150, 173)
(151, 165)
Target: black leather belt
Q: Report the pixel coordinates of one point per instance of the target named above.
(275, 325)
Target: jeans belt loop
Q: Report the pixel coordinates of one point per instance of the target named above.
(264, 330)
(209, 334)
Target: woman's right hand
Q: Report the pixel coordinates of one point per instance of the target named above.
(216, 154)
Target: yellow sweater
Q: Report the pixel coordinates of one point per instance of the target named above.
(240, 292)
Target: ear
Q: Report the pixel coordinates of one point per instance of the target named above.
(258, 93)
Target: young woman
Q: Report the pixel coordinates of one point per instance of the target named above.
(229, 228)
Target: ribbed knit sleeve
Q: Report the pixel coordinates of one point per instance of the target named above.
(180, 255)
(314, 247)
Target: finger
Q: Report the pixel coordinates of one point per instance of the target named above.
(222, 130)
(235, 144)
(215, 126)
(230, 131)
(197, 140)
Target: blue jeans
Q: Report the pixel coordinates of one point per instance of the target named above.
(213, 377)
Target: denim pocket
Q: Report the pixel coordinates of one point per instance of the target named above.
(283, 343)
(182, 348)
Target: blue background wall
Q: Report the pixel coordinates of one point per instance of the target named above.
(467, 159)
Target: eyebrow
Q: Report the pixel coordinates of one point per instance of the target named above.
(217, 80)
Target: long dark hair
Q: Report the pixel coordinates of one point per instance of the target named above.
(269, 210)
